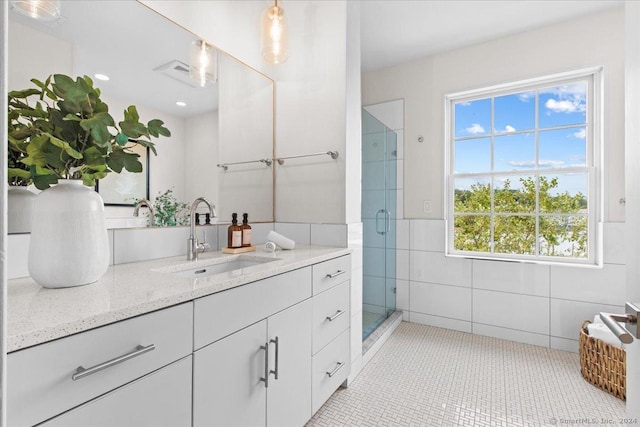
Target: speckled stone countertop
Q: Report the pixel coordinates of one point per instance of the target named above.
(37, 315)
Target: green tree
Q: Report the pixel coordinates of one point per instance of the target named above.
(561, 224)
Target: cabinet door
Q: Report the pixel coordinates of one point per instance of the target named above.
(162, 398)
(227, 390)
(289, 396)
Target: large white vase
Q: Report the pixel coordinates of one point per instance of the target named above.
(69, 245)
(19, 208)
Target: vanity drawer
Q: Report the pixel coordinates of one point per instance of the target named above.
(331, 367)
(331, 273)
(330, 315)
(224, 313)
(39, 380)
(160, 399)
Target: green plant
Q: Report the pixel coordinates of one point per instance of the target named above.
(69, 133)
(168, 211)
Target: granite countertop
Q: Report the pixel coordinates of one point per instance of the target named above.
(36, 315)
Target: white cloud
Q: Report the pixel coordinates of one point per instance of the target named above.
(565, 106)
(551, 163)
(525, 96)
(530, 164)
(581, 134)
(509, 128)
(464, 104)
(475, 129)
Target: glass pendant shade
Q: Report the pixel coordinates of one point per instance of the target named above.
(203, 63)
(274, 35)
(42, 10)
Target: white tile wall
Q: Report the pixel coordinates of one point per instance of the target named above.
(441, 322)
(567, 316)
(565, 344)
(434, 267)
(329, 235)
(402, 295)
(139, 244)
(513, 311)
(599, 285)
(427, 235)
(511, 334)
(300, 233)
(525, 302)
(614, 247)
(516, 277)
(440, 300)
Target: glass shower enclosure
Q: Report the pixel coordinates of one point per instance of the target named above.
(379, 195)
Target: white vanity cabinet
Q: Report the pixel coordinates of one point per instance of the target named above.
(45, 381)
(260, 374)
(331, 332)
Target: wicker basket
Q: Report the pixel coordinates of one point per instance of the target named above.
(602, 364)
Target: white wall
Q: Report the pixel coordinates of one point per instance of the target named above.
(592, 40)
(202, 154)
(310, 92)
(33, 54)
(246, 126)
(537, 304)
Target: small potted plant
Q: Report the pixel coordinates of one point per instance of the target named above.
(62, 133)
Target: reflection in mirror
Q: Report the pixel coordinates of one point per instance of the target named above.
(146, 58)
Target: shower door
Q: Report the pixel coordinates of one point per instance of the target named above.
(379, 194)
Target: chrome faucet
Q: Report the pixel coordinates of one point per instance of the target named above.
(145, 202)
(193, 246)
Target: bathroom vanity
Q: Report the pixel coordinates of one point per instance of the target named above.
(226, 340)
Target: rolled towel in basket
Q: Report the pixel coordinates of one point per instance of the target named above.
(603, 333)
(280, 240)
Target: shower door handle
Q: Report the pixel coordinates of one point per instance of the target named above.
(378, 230)
(387, 217)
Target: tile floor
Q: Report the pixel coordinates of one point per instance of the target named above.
(428, 376)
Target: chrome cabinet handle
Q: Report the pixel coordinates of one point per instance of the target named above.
(380, 211)
(276, 341)
(82, 372)
(336, 274)
(335, 370)
(265, 379)
(335, 316)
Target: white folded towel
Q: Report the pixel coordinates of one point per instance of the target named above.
(280, 240)
(602, 332)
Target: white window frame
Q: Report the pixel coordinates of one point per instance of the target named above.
(594, 163)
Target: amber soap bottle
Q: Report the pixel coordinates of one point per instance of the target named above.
(246, 231)
(234, 233)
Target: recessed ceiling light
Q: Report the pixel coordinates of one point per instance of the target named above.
(101, 77)
(181, 104)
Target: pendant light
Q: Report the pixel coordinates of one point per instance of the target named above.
(274, 34)
(42, 10)
(203, 63)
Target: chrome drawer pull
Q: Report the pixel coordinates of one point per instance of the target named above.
(277, 343)
(82, 372)
(336, 274)
(335, 370)
(265, 379)
(335, 316)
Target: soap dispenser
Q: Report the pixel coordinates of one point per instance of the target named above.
(246, 231)
(234, 233)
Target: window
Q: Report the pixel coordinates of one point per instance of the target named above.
(523, 172)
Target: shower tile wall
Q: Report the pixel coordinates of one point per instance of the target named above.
(530, 303)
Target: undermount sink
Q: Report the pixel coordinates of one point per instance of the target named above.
(223, 265)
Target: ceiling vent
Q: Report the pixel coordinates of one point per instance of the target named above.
(178, 71)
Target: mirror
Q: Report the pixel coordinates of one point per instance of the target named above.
(146, 58)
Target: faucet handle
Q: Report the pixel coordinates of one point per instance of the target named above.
(204, 245)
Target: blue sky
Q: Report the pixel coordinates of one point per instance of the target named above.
(514, 134)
